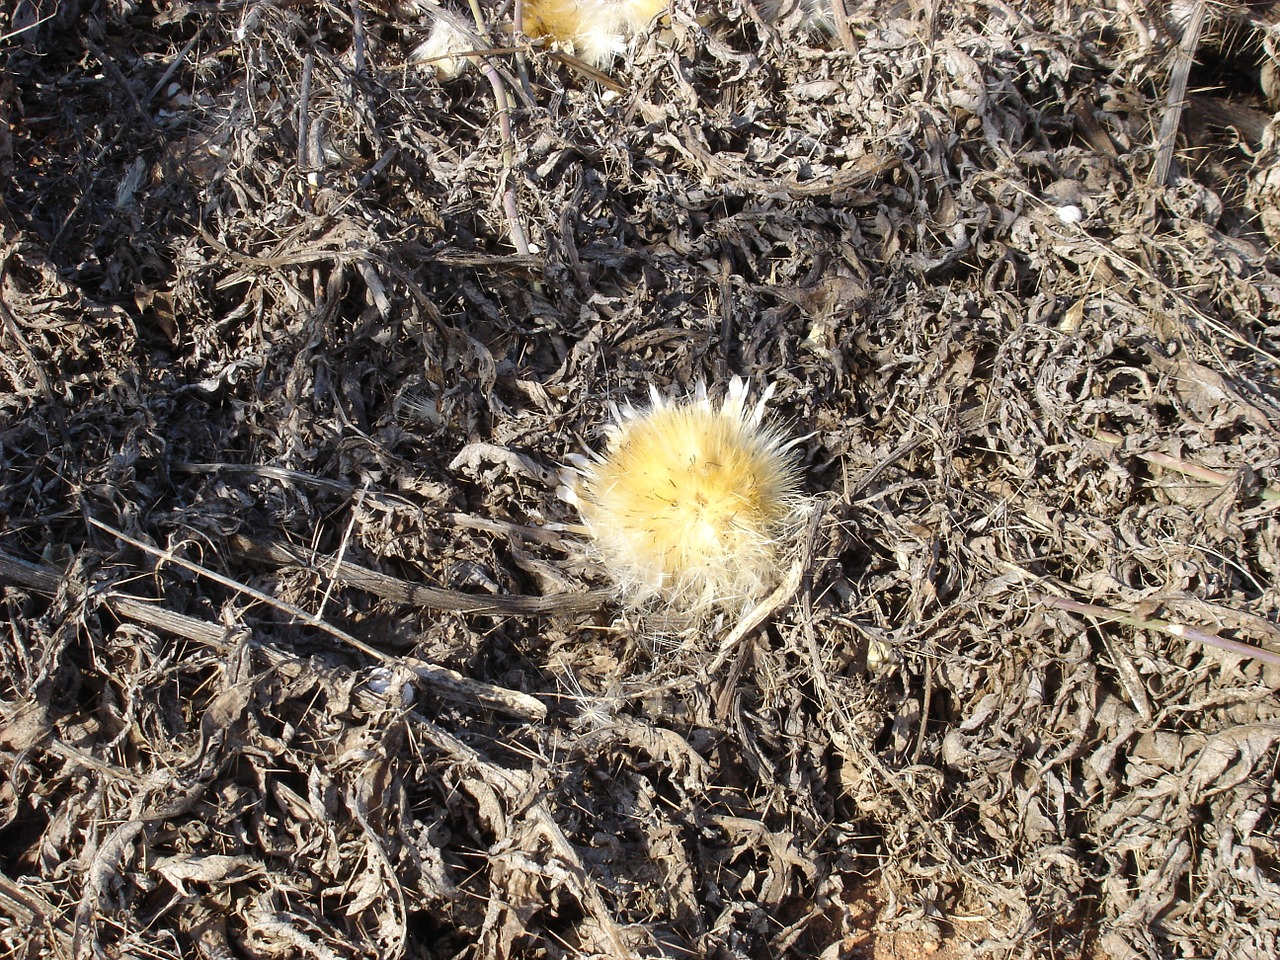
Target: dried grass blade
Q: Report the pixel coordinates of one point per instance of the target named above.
(1184, 467)
(1162, 626)
(446, 682)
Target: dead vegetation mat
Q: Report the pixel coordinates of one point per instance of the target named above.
(299, 657)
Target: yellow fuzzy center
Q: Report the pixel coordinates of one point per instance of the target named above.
(688, 501)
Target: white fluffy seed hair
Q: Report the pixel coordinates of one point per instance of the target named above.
(691, 506)
(450, 36)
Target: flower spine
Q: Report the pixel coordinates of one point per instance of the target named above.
(691, 505)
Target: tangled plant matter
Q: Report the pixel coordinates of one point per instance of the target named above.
(692, 505)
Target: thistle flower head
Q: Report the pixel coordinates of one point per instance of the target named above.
(691, 503)
(595, 30)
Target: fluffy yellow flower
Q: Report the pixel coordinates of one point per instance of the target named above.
(691, 504)
(595, 30)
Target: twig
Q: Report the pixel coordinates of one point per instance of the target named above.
(1183, 467)
(776, 600)
(868, 478)
(545, 533)
(510, 204)
(120, 81)
(342, 550)
(1123, 664)
(173, 67)
(46, 579)
(522, 59)
(435, 598)
(840, 14)
(445, 682)
(502, 103)
(357, 34)
(1184, 57)
(18, 31)
(1113, 255)
(1163, 626)
(308, 151)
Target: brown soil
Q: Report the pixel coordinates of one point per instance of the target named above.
(303, 655)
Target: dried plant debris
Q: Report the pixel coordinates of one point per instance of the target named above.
(303, 656)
